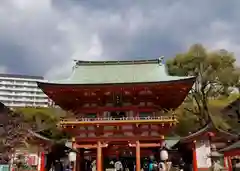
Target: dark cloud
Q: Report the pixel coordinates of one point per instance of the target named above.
(42, 37)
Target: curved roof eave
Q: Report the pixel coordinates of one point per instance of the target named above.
(208, 127)
(69, 82)
(233, 146)
(123, 72)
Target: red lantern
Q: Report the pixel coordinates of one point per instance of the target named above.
(210, 134)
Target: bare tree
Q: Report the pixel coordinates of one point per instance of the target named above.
(13, 132)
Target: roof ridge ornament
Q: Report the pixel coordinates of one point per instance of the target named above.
(75, 63)
(160, 60)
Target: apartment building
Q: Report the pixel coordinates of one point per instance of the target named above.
(21, 91)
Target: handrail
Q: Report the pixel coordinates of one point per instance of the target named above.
(122, 118)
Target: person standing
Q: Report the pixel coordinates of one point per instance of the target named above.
(162, 166)
(181, 164)
(150, 166)
(146, 164)
(93, 165)
(155, 166)
(118, 166)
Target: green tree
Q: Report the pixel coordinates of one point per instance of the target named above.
(187, 122)
(236, 78)
(16, 124)
(214, 71)
(44, 121)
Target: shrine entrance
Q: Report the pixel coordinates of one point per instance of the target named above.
(118, 156)
(134, 108)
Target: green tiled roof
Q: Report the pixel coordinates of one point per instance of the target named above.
(210, 127)
(109, 72)
(171, 143)
(234, 146)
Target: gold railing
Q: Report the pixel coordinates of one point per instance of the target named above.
(121, 118)
(161, 119)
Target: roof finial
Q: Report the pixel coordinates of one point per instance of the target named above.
(75, 63)
(160, 59)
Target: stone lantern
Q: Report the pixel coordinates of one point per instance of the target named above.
(215, 158)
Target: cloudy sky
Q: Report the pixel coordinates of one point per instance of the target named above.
(42, 37)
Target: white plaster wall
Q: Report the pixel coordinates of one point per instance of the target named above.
(31, 158)
(203, 151)
(39, 162)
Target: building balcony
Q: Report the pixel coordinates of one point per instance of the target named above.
(20, 89)
(116, 121)
(24, 94)
(14, 83)
(15, 99)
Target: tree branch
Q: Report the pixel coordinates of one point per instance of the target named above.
(191, 111)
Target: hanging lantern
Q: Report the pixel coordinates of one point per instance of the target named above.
(163, 155)
(72, 156)
(213, 147)
(210, 134)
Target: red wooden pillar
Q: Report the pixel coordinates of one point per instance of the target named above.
(99, 156)
(78, 161)
(138, 157)
(225, 162)
(194, 162)
(42, 161)
(229, 163)
(104, 154)
(117, 154)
